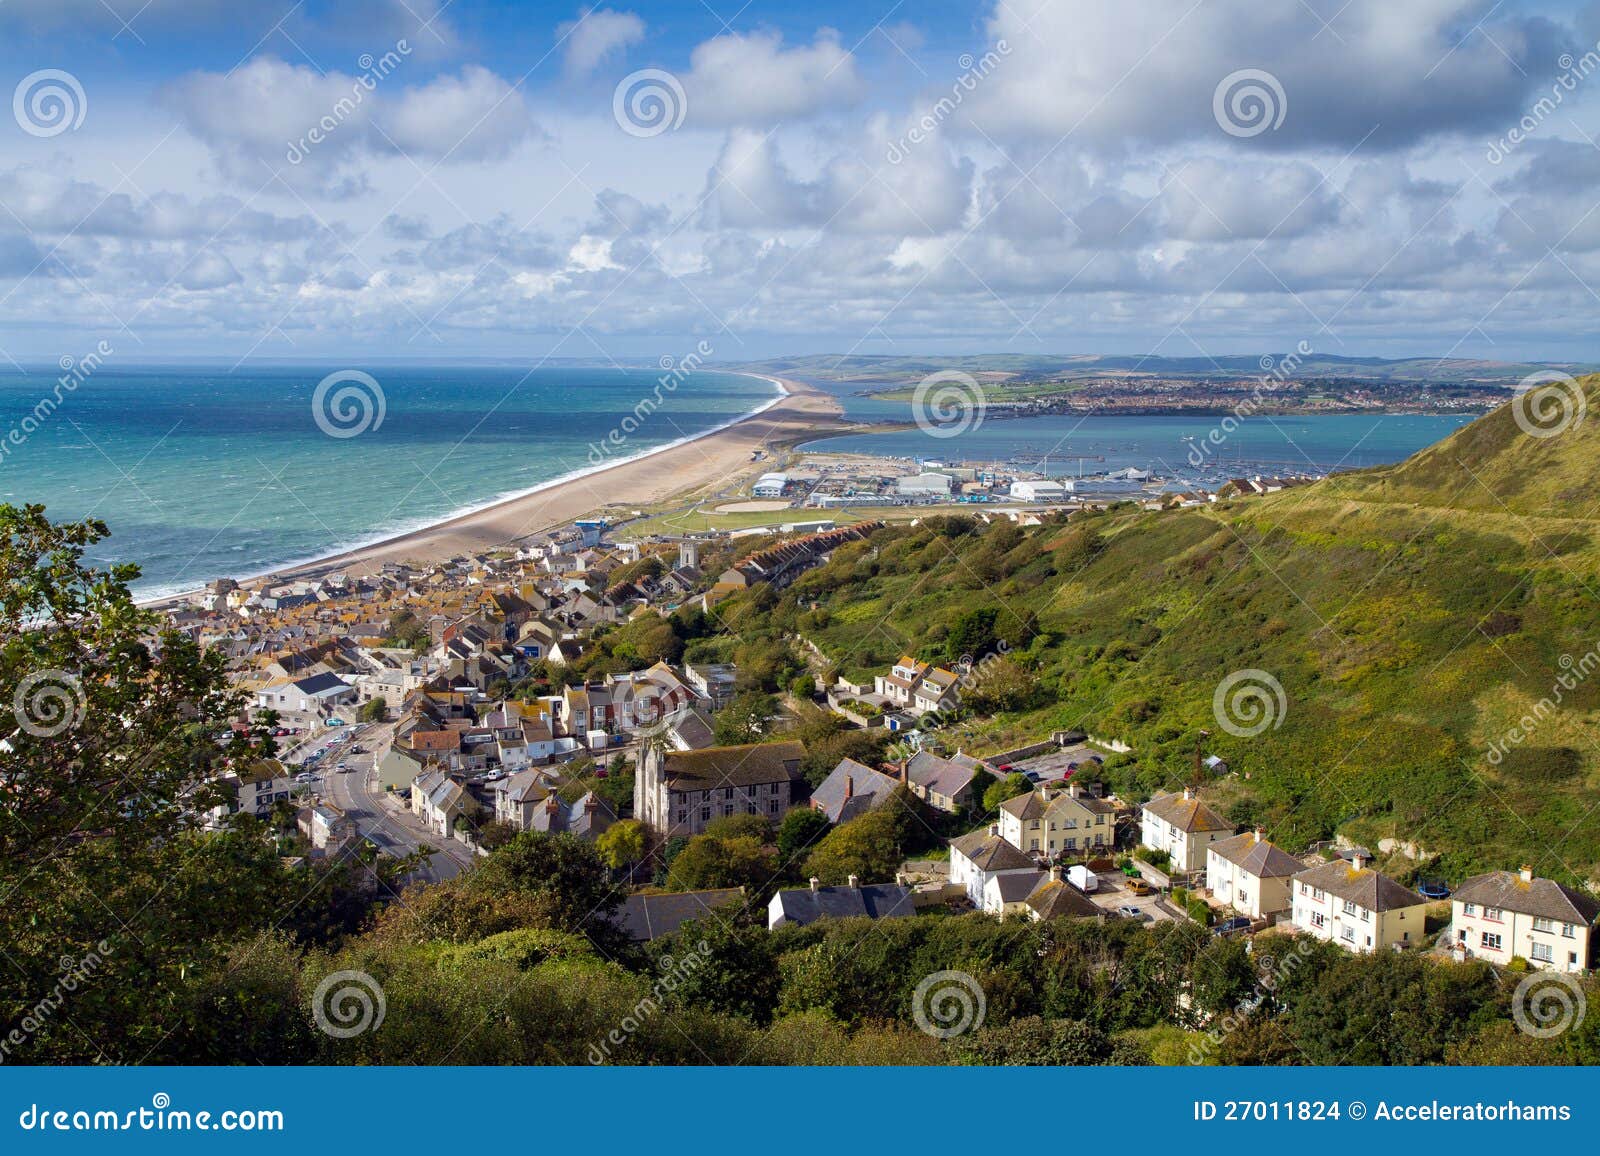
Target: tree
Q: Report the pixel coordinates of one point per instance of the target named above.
(799, 829)
(1009, 787)
(972, 635)
(1037, 1042)
(562, 869)
(622, 843)
(744, 719)
(709, 862)
(867, 847)
(374, 710)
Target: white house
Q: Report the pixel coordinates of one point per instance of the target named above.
(1502, 915)
(1252, 875)
(1183, 827)
(770, 486)
(979, 857)
(317, 694)
(1348, 903)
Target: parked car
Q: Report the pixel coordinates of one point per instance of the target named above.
(1129, 911)
(1232, 926)
(1139, 887)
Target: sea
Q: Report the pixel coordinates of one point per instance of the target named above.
(204, 472)
(1178, 450)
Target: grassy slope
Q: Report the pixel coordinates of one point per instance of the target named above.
(1412, 615)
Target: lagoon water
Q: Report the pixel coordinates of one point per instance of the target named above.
(202, 473)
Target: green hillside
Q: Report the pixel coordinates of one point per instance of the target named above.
(1412, 615)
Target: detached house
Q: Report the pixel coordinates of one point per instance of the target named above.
(1252, 875)
(852, 789)
(1183, 827)
(1348, 903)
(1502, 915)
(1050, 822)
(439, 800)
(945, 784)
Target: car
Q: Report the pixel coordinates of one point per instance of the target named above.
(1232, 926)
(336, 722)
(342, 767)
(305, 777)
(1139, 887)
(1129, 911)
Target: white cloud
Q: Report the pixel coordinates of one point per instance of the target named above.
(597, 34)
(753, 79)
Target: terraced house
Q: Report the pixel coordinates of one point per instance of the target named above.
(1501, 915)
(1183, 827)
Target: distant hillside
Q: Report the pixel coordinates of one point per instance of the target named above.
(1063, 367)
(1412, 626)
(1495, 464)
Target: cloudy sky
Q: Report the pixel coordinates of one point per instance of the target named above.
(428, 179)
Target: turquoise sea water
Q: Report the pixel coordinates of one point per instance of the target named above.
(202, 473)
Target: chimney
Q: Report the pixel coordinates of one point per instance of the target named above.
(1260, 834)
(900, 878)
(1358, 860)
(1526, 873)
(815, 883)
(849, 786)
(994, 828)
(1055, 874)
(552, 804)
(1188, 793)
(905, 772)
(854, 881)
(1074, 790)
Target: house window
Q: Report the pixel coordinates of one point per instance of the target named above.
(1569, 932)
(1542, 924)
(1318, 920)
(1572, 959)
(727, 810)
(772, 807)
(1469, 909)
(727, 792)
(1072, 844)
(1542, 952)
(705, 814)
(1033, 844)
(1348, 934)
(1492, 914)
(1491, 941)
(1366, 916)
(1349, 907)
(683, 815)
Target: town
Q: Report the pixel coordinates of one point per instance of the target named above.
(429, 714)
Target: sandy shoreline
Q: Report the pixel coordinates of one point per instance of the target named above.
(721, 454)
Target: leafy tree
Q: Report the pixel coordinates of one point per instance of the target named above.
(1037, 1042)
(374, 710)
(745, 719)
(708, 861)
(1009, 787)
(725, 962)
(622, 843)
(563, 870)
(800, 828)
(972, 635)
(868, 847)
(742, 825)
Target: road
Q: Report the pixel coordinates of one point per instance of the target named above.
(394, 830)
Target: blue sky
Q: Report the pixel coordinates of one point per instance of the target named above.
(432, 180)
